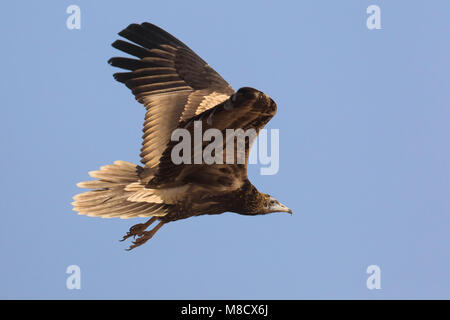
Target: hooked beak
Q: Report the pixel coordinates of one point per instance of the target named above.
(287, 210)
(279, 207)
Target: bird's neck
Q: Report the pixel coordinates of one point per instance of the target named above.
(248, 200)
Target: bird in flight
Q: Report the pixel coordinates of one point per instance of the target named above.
(180, 91)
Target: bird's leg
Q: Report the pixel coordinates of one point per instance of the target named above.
(138, 229)
(145, 236)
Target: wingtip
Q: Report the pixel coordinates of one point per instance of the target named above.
(115, 44)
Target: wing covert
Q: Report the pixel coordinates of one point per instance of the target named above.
(248, 110)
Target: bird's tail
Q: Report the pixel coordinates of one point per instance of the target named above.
(109, 198)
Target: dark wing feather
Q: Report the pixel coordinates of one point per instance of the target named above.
(169, 79)
(246, 109)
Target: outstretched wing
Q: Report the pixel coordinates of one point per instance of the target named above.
(169, 79)
(245, 112)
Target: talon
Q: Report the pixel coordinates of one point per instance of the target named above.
(138, 229)
(132, 233)
(145, 236)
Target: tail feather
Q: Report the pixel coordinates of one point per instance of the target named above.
(109, 197)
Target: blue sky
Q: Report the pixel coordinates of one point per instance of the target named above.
(364, 153)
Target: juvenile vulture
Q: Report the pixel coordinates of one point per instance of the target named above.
(179, 91)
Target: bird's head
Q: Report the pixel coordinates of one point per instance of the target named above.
(270, 204)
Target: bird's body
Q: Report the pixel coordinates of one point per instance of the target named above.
(180, 92)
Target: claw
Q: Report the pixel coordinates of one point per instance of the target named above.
(138, 229)
(145, 236)
(135, 230)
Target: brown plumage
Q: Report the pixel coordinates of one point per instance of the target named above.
(179, 91)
